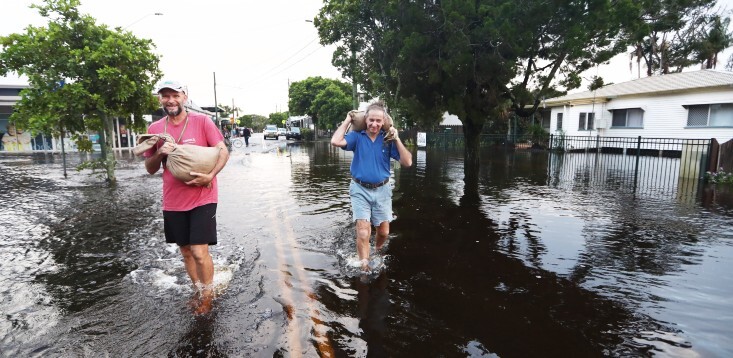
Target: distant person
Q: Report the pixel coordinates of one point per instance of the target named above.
(371, 196)
(189, 208)
(246, 133)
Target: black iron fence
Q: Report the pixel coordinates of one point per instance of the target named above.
(638, 164)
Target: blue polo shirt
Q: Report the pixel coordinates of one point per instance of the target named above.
(371, 159)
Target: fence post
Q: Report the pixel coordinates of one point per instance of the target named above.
(550, 144)
(636, 167)
(598, 147)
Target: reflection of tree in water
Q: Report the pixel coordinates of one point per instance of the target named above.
(454, 284)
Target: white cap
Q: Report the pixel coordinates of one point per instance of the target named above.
(174, 85)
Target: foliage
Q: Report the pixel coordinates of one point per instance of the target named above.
(331, 104)
(537, 133)
(474, 59)
(304, 98)
(81, 75)
(97, 167)
(307, 134)
(719, 177)
(254, 121)
(278, 119)
(675, 34)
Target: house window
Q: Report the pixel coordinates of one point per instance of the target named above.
(710, 115)
(559, 121)
(585, 121)
(629, 118)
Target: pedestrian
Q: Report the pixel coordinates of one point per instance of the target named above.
(371, 197)
(246, 133)
(189, 208)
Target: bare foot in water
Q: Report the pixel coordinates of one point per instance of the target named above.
(365, 265)
(204, 305)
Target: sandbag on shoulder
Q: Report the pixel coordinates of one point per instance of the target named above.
(185, 158)
(358, 123)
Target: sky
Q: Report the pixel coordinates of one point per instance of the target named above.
(254, 48)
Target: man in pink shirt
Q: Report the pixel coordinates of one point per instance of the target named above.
(189, 208)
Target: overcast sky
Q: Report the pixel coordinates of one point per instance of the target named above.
(254, 47)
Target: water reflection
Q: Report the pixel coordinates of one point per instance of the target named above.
(529, 255)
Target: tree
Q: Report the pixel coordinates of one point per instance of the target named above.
(254, 121)
(715, 41)
(331, 105)
(302, 94)
(81, 76)
(675, 34)
(278, 118)
(475, 59)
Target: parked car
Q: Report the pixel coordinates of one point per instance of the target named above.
(294, 133)
(270, 131)
(281, 132)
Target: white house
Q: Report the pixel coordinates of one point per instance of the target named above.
(689, 105)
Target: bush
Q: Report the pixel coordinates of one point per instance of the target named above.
(719, 177)
(306, 133)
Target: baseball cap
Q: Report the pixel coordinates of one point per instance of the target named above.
(174, 85)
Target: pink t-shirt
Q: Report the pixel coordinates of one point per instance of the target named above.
(201, 130)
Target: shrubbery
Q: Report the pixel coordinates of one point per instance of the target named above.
(719, 177)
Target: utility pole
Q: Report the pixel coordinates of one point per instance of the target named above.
(216, 106)
(353, 78)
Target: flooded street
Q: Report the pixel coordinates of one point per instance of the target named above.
(526, 264)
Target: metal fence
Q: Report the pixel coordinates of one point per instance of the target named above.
(637, 164)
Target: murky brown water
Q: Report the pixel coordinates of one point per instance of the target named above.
(524, 264)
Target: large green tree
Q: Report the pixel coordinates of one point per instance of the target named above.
(674, 34)
(81, 75)
(307, 97)
(278, 118)
(255, 121)
(475, 59)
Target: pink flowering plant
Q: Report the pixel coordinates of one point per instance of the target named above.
(719, 177)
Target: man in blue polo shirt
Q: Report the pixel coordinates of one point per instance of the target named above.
(371, 196)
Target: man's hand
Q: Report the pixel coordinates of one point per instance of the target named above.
(391, 134)
(200, 179)
(166, 148)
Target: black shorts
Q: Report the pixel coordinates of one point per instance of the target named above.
(194, 227)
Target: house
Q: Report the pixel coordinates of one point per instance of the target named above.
(690, 105)
(13, 139)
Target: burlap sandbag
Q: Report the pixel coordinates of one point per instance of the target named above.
(358, 123)
(185, 158)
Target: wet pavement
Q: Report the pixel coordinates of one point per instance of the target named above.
(523, 264)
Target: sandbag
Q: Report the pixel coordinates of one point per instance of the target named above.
(358, 123)
(185, 158)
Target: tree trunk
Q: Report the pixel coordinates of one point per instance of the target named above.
(109, 155)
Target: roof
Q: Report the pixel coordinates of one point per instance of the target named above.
(450, 120)
(673, 82)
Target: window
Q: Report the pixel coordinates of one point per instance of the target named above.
(630, 118)
(585, 121)
(559, 121)
(710, 115)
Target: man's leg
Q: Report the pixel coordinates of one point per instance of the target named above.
(382, 234)
(189, 263)
(205, 271)
(363, 232)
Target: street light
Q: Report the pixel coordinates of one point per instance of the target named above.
(140, 19)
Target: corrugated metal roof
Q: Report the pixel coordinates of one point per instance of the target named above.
(655, 84)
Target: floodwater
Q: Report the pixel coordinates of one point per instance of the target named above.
(523, 264)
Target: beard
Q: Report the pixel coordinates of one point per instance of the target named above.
(174, 112)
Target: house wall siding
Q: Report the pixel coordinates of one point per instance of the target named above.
(664, 116)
